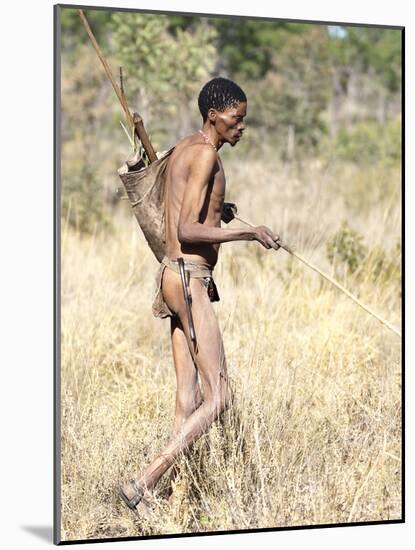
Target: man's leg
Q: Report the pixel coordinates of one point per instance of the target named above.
(188, 394)
(211, 364)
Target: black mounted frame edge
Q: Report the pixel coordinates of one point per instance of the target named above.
(235, 531)
(403, 321)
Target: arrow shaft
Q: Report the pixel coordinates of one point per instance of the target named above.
(333, 282)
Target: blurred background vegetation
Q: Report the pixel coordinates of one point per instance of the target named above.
(315, 92)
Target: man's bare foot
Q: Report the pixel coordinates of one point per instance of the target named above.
(137, 498)
(144, 509)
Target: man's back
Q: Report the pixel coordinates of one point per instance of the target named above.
(194, 193)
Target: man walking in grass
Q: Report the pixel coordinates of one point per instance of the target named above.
(194, 201)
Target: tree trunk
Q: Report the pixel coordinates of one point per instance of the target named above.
(290, 142)
(382, 107)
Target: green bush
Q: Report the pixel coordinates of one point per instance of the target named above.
(348, 253)
(369, 143)
(346, 247)
(392, 142)
(383, 266)
(83, 204)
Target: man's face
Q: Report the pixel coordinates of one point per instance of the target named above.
(229, 124)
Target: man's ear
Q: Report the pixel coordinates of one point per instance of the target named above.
(212, 115)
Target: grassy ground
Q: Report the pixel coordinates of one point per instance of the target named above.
(314, 437)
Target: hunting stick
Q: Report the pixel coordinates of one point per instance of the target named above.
(124, 97)
(107, 69)
(122, 84)
(142, 134)
(134, 122)
(332, 281)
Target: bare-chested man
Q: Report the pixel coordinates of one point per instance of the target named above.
(194, 199)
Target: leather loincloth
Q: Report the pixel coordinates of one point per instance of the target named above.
(200, 271)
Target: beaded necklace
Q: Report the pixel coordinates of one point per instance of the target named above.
(207, 139)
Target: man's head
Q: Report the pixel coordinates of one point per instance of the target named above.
(223, 103)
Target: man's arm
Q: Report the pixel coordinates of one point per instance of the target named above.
(190, 230)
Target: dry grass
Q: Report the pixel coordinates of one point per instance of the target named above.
(315, 434)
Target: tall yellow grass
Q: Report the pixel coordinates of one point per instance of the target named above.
(314, 436)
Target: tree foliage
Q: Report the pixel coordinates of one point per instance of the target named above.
(305, 81)
(73, 33)
(377, 51)
(166, 65)
(289, 102)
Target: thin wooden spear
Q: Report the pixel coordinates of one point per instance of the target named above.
(134, 121)
(332, 281)
(107, 69)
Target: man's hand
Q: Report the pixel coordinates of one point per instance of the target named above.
(229, 210)
(266, 237)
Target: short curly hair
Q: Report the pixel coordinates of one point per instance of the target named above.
(219, 93)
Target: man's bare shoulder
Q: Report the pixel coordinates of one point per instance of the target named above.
(190, 150)
(194, 155)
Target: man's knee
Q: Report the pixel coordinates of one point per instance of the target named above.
(221, 399)
(186, 405)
